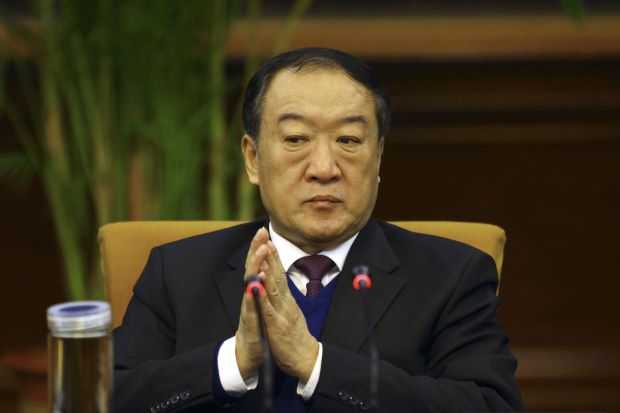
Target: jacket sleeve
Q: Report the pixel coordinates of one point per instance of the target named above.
(148, 374)
(468, 365)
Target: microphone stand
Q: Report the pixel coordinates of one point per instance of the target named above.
(363, 282)
(254, 286)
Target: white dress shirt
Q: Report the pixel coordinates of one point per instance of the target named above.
(230, 377)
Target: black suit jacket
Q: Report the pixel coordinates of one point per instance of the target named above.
(433, 305)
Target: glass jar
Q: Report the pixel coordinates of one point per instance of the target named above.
(79, 357)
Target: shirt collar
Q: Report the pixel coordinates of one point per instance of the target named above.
(289, 252)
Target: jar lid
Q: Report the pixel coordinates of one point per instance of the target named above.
(78, 317)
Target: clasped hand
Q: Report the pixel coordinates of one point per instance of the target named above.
(293, 348)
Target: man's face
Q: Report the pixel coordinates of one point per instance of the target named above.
(318, 159)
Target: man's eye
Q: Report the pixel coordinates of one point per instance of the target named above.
(294, 139)
(347, 140)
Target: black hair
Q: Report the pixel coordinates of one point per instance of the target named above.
(319, 57)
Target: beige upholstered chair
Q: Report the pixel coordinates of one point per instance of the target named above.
(125, 247)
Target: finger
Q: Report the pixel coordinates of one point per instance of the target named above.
(268, 310)
(273, 272)
(248, 337)
(279, 293)
(252, 262)
(248, 313)
(248, 305)
(266, 270)
(279, 274)
(263, 278)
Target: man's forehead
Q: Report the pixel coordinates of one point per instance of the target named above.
(313, 89)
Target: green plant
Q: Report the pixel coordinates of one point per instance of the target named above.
(124, 116)
(576, 9)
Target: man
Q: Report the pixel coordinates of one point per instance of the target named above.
(316, 121)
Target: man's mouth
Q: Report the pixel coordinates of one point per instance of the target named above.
(324, 200)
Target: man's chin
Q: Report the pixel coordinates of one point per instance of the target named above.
(326, 237)
(313, 234)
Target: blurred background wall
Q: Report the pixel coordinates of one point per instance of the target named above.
(503, 113)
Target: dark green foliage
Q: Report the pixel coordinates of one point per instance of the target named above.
(576, 9)
(122, 113)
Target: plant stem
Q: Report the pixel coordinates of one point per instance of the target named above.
(217, 194)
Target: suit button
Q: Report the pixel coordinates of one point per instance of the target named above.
(185, 395)
(174, 399)
(354, 400)
(364, 406)
(343, 395)
(165, 404)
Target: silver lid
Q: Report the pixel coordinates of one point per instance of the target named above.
(78, 317)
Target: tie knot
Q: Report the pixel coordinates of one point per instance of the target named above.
(314, 266)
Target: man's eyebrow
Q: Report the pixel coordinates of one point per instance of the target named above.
(347, 119)
(355, 119)
(292, 116)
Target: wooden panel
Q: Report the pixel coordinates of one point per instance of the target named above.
(434, 36)
(569, 378)
(502, 102)
(462, 37)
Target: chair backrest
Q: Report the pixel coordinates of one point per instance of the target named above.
(125, 247)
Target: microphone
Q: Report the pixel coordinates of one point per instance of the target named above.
(361, 279)
(362, 282)
(254, 287)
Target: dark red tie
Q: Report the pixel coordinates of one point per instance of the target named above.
(315, 267)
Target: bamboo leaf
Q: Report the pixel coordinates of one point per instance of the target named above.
(17, 169)
(68, 234)
(3, 70)
(13, 163)
(290, 24)
(24, 134)
(576, 9)
(217, 200)
(26, 76)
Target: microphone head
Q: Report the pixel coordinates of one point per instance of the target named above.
(361, 279)
(360, 269)
(254, 285)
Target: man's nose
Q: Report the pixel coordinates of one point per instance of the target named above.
(323, 164)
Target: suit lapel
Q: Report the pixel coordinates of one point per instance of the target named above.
(230, 283)
(230, 288)
(346, 325)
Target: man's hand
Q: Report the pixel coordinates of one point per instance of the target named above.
(294, 349)
(248, 349)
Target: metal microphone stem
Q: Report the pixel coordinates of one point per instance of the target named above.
(374, 354)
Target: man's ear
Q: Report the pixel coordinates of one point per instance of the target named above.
(250, 156)
(380, 152)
